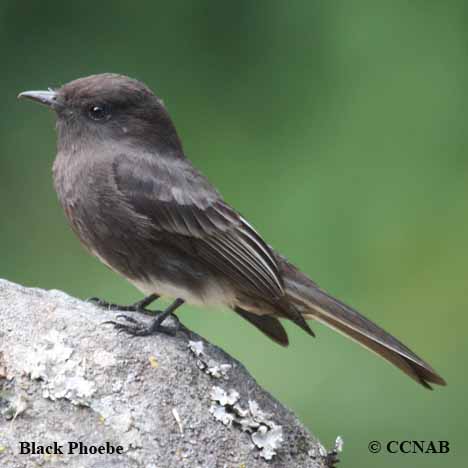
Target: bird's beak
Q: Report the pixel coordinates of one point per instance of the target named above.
(48, 98)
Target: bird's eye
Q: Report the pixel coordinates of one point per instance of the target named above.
(98, 112)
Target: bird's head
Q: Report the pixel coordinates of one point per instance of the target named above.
(109, 107)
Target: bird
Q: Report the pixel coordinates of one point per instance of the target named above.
(138, 204)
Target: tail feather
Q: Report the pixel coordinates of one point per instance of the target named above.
(315, 303)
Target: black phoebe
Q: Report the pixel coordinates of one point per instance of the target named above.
(138, 204)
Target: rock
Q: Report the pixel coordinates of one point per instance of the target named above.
(92, 397)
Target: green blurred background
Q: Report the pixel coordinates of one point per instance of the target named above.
(338, 128)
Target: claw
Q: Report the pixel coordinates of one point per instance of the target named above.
(127, 318)
(96, 301)
(139, 329)
(108, 322)
(139, 306)
(103, 304)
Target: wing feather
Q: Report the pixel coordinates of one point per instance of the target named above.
(183, 206)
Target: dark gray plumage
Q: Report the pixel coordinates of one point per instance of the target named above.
(138, 204)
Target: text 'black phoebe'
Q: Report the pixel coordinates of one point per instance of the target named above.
(138, 204)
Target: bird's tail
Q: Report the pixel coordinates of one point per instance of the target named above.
(314, 303)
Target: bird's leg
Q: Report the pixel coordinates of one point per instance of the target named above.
(136, 328)
(139, 306)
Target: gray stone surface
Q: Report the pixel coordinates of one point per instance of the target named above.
(168, 401)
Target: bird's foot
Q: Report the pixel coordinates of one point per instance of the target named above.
(134, 327)
(139, 306)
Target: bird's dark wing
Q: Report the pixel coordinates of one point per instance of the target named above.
(183, 207)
